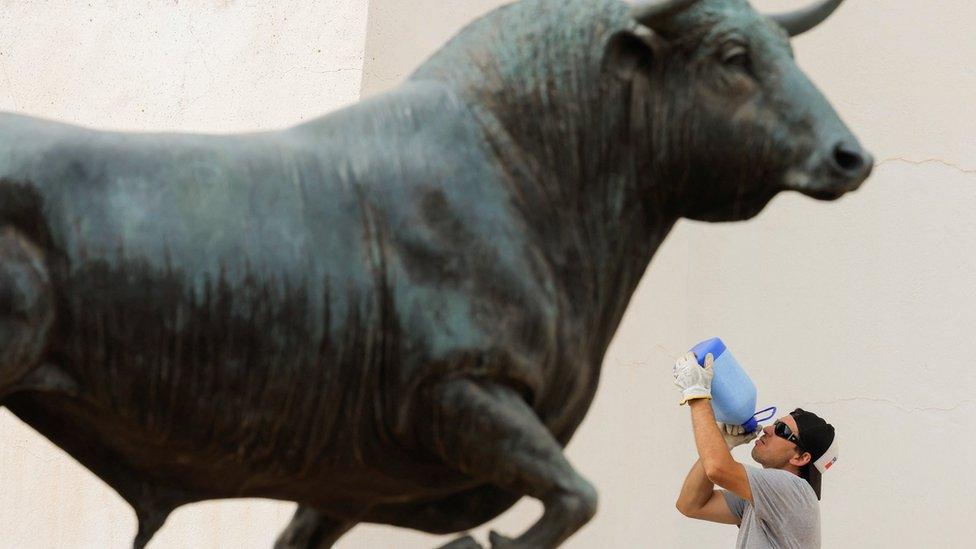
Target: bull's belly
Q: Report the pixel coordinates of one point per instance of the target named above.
(306, 439)
(130, 456)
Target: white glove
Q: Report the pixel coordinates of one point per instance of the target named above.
(736, 435)
(694, 381)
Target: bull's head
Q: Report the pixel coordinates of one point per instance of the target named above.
(733, 116)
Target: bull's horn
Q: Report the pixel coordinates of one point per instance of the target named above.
(656, 11)
(800, 21)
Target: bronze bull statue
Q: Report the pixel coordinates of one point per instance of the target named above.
(395, 313)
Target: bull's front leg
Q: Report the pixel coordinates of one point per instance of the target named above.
(487, 431)
(310, 529)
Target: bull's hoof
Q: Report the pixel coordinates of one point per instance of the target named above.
(467, 542)
(499, 541)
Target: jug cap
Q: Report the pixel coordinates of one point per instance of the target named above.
(714, 346)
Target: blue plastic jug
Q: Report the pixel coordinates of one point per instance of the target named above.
(733, 393)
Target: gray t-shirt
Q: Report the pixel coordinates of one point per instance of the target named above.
(784, 513)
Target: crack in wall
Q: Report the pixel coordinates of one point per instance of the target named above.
(945, 163)
(893, 404)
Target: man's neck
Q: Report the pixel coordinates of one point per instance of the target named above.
(789, 468)
(792, 469)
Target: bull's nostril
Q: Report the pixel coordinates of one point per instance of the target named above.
(848, 158)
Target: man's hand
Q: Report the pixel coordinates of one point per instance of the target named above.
(693, 380)
(736, 435)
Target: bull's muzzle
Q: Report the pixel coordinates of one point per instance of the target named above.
(851, 162)
(840, 170)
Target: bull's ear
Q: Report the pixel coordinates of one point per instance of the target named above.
(629, 52)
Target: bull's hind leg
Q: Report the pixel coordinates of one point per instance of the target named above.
(487, 431)
(454, 513)
(310, 529)
(449, 514)
(26, 315)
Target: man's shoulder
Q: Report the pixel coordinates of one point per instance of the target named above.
(780, 479)
(778, 474)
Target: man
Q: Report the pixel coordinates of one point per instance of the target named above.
(776, 506)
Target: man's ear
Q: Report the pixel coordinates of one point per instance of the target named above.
(629, 52)
(803, 459)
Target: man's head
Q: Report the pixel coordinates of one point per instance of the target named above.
(801, 442)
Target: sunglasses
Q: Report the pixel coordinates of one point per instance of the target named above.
(783, 431)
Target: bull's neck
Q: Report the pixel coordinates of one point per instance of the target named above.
(578, 174)
(577, 168)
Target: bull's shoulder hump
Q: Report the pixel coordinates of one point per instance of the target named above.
(418, 134)
(424, 112)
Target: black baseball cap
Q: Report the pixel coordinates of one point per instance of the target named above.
(817, 437)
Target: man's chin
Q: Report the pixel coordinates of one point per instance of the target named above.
(755, 452)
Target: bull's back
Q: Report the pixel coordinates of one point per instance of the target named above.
(213, 290)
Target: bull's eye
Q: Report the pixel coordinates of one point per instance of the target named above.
(736, 56)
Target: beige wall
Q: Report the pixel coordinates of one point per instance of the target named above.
(857, 309)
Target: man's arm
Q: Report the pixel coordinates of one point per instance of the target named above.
(716, 461)
(699, 499)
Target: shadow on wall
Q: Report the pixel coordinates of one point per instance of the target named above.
(400, 36)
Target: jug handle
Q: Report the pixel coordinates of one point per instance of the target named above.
(771, 410)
